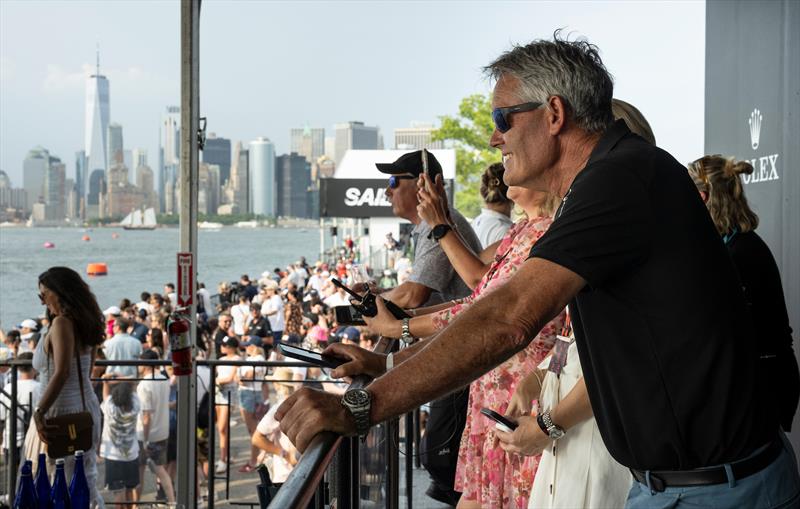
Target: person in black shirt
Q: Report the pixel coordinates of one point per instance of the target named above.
(258, 328)
(661, 324)
(717, 179)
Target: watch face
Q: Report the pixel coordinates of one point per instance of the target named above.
(556, 432)
(356, 397)
(440, 230)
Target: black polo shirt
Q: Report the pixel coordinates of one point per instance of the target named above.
(663, 335)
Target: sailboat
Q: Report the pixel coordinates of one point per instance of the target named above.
(140, 220)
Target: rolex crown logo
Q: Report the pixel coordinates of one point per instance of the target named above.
(755, 127)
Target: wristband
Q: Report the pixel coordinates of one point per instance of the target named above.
(389, 361)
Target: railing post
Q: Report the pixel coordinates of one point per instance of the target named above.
(410, 455)
(212, 432)
(391, 442)
(12, 446)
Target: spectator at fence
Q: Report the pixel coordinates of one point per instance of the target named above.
(293, 313)
(119, 447)
(247, 288)
(153, 425)
(250, 396)
(494, 220)
(76, 329)
(223, 330)
(155, 341)
(122, 347)
(28, 390)
(241, 314)
(29, 335)
(258, 329)
(719, 182)
(12, 341)
(272, 308)
(226, 400)
(144, 302)
(281, 455)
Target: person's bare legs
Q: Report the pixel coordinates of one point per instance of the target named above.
(250, 421)
(222, 427)
(166, 482)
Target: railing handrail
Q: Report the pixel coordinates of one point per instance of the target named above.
(300, 485)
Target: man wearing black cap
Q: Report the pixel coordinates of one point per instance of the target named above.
(433, 278)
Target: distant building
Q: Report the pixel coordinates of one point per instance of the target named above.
(355, 135)
(96, 196)
(208, 193)
(81, 176)
(71, 199)
(235, 196)
(330, 147)
(293, 177)
(308, 142)
(10, 197)
(138, 158)
(34, 172)
(416, 137)
(145, 182)
(55, 190)
(217, 151)
(261, 166)
(169, 158)
(97, 116)
(115, 146)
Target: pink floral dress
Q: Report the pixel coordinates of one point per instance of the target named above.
(485, 473)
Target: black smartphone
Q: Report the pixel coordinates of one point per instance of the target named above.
(311, 357)
(501, 420)
(426, 167)
(366, 303)
(348, 315)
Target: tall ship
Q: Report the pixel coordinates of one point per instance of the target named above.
(140, 220)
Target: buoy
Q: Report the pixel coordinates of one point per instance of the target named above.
(86, 238)
(97, 269)
(49, 245)
(115, 235)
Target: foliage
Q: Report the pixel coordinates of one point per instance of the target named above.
(470, 131)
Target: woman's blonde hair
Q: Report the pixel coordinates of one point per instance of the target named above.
(718, 177)
(633, 118)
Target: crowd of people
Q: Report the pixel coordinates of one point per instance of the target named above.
(635, 333)
(630, 323)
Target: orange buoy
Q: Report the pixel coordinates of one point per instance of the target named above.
(49, 245)
(97, 269)
(86, 238)
(115, 235)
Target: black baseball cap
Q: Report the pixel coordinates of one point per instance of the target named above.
(410, 163)
(230, 342)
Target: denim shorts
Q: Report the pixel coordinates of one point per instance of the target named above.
(775, 487)
(249, 399)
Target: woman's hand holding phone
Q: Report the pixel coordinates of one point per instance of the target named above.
(432, 206)
(528, 439)
(359, 361)
(384, 323)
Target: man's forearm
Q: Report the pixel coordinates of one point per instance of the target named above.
(491, 331)
(408, 295)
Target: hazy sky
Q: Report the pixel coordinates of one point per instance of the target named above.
(269, 66)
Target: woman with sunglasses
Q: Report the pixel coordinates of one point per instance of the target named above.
(76, 329)
(485, 475)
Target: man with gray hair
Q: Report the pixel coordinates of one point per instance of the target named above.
(661, 324)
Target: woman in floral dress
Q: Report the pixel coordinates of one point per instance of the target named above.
(486, 475)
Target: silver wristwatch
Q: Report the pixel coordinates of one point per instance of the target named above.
(358, 402)
(406, 336)
(553, 430)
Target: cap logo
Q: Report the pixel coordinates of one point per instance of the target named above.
(755, 127)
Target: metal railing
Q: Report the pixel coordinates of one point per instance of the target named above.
(337, 458)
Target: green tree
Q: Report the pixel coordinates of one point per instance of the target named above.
(470, 131)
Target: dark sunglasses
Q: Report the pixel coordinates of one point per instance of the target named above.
(500, 115)
(41, 297)
(394, 180)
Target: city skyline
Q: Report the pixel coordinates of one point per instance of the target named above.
(322, 77)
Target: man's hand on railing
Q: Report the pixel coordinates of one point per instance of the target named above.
(360, 361)
(308, 412)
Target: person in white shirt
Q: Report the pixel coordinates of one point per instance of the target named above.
(272, 308)
(204, 294)
(338, 298)
(28, 391)
(281, 454)
(316, 281)
(495, 217)
(250, 393)
(152, 428)
(226, 399)
(119, 446)
(241, 315)
(169, 292)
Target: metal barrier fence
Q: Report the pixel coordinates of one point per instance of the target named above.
(330, 469)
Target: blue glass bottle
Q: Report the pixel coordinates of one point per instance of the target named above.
(79, 494)
(26, 493)
(42, 484)
(60, 493)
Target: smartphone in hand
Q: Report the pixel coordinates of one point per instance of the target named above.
(503, 423)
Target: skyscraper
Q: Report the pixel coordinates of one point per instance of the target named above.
(97, 189)
(218, 151)
(261, 165)
(96, 120)
(34, 170)
(418, 136)
(355, 135)
(115, 145)
(81, 175)
(55, 177)
(139, 158)
(293, 174)
(169, 158)
(237, 190)
(145, 183)
(308, 142)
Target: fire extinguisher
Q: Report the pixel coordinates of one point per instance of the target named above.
(180, 341)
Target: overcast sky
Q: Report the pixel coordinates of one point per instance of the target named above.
(269, 66)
